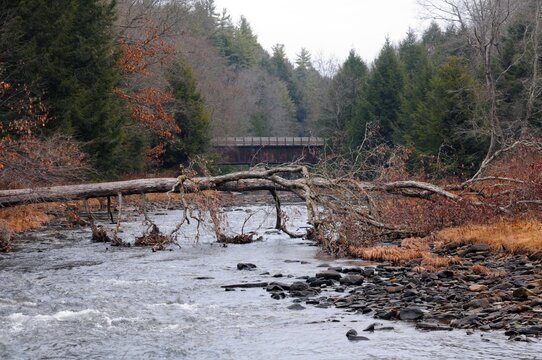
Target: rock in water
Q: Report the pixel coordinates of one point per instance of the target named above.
(299, 286)
(349, 280)
(410, 314)
(296, 307)
(329, 274)
(352, 335)
(246, 266)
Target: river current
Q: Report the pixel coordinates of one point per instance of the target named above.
(64, 297)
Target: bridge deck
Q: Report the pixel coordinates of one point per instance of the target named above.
(268, 141)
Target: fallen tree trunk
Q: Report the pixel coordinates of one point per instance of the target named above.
(342, 209)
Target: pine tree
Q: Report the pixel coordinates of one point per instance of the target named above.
(345, 89)
(418, 71)
(190, 115)
(380, 102)
(446, 119)
(64, 52)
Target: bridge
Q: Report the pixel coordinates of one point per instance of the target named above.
(268, 150)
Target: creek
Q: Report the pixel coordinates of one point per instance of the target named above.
(65, 297)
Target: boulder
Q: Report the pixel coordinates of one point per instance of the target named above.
(329, 274)
(410, 314)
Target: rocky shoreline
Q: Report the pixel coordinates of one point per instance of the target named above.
(505, 294)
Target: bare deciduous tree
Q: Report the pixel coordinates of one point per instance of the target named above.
(482, 22)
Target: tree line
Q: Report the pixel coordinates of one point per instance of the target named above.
(109, 88)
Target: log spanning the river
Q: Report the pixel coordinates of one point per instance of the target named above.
(251, 180)
(304, 186)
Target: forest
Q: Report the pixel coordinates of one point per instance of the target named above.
(104, 90)
(425, 204)
(111, 90)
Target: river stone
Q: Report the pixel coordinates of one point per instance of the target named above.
(432, 326)
(475, 248)
(477, 287)
(296, 307)
(522, 293)
(299, 286)
(320, 283)
(352, 335)
(329, 274)
(410, 314)
(274, 287)
(445, 274)
(354, 269)
(278, 295)
(477, 303)
(349, 280)
(245, 266)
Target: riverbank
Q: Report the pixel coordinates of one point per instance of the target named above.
(503, 294)
(456, 285)
(64, 296)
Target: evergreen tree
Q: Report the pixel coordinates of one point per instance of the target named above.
(443, 129)
(413, 56)
(380, 102)
(63, 51)
(345, 89)
(190, 115)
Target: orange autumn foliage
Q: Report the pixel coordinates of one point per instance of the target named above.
(147, 105)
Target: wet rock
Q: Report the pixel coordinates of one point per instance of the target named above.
(352, 335)
(291, 261)
(530, 330)
(475, 248)
(467, 321)
(537, 256)
(282, 285)
(355, 269)
(278, 295)
(387, 315)
(320, 283)
(246, 266)
(445, 274)
(515, 309)
(411, 314)
(329, 274)
(432, 326)
(522, 338)
(368, 272)
(274, 287)
(350, 280)
(394, 289)
(477, 303)
(299, 286)
(278, 275)
(477, 287)
(245, 285)
(410, 293)
(335, 268)
(522, 293)
(296, 307)
(536, 302)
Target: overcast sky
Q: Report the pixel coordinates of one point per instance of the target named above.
(327, 27)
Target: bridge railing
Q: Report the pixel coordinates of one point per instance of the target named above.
(268, 141)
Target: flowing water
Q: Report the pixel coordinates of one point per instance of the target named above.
(64, 297)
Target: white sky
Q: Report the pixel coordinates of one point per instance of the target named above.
(328, 28)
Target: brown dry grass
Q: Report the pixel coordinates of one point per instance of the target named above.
(513, 236)
(385, 253)
(24, 217)
(410, 249)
